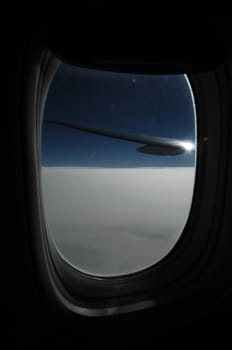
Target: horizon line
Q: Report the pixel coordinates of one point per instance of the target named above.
(128, 167)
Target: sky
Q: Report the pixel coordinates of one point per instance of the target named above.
(159, 105)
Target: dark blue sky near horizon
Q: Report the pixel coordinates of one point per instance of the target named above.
(154, 105)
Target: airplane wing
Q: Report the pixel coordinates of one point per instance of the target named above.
(152, 144)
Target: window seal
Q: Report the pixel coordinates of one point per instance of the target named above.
(92, 296)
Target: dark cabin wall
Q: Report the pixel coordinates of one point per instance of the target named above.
(94, 34)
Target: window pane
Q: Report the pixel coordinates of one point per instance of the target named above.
(118, 167)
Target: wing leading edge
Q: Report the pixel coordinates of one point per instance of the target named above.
(152, 144)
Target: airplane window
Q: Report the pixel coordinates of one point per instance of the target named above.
(118, 160)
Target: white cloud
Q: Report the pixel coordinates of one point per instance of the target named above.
(115, 221)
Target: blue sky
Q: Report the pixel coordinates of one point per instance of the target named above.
(158, 105)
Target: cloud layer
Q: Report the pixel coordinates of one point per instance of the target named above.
(110, 222)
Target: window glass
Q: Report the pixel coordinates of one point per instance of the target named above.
(118, 167)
